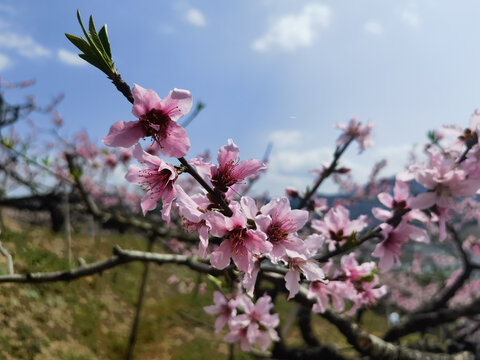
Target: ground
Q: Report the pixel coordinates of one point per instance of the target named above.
(90, 318)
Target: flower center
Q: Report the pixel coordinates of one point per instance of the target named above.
(155, 123)
(237, 238)
(469, 137)
(155, 181)
(399, 205)
(337, 236)
(223, 177)
(275, 233)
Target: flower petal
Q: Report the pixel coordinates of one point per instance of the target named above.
(124, 134)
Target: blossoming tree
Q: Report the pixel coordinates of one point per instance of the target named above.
(313, 253)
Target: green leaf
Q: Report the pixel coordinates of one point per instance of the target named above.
(83, 28)
(96, 48)
(215, 281)
(80, 43)
(6, 142)
(95, 62)
(368, 278)
(103, 35)
(94, 37)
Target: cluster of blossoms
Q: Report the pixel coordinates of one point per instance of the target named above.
(451, 173)
(353, 282)
(252, 234)
(248, 323)
(241, 233)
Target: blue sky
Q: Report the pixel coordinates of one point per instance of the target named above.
(280, 70)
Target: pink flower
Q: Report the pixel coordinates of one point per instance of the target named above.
(389, 250)
(260, 312)
(125, 155)
(367, 294)
(240, 243)
(337, 226)
(157, 178)
(399, 202)
(192, 210)
(336, 291)
(110, 161)
(443, 180)
(280, 223)
(256, 325)
(355, 130)
(247, 334)
(156, 118)
(85, 148)
(297, 265)
(224, 308)
(353, 271)
(230, 170)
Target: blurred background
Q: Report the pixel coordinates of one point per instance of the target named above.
(268, 71)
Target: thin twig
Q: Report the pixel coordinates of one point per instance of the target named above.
(9, 258)
(326, 173)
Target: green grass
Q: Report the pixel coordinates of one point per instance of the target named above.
(90, 318)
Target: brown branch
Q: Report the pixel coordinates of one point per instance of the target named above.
(422, 321)
(133, 222)
(8, 257)
(347, 247)
(376, 348)
(326, 173)
(123, 257)
(120, 257)
(365, 343)
(447, 293)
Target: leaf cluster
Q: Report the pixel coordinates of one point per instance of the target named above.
(96, 48)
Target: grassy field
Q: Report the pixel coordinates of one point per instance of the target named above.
(90, 318)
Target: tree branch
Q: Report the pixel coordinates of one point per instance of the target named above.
(326, 173)
(8, 257)
(422, 321)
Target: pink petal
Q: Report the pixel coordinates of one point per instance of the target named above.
(386, 199)
(227, 153)
(220, 258)
(243, 260)
(400, 191)
(148, 203)
(292, 283)
(246, 168)
(144, 157)
(144, 100)
(176, 144)
(423, 201)
(133, 174)
(381, 214)
(124, 134)
(177, 103)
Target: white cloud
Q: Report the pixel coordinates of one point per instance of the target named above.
(195, 17)
(4, 62)
(292, 160)
(285, 138)
(292, 31)
(374, 28)
(24, 45)
(70, 58)
(410, 16)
